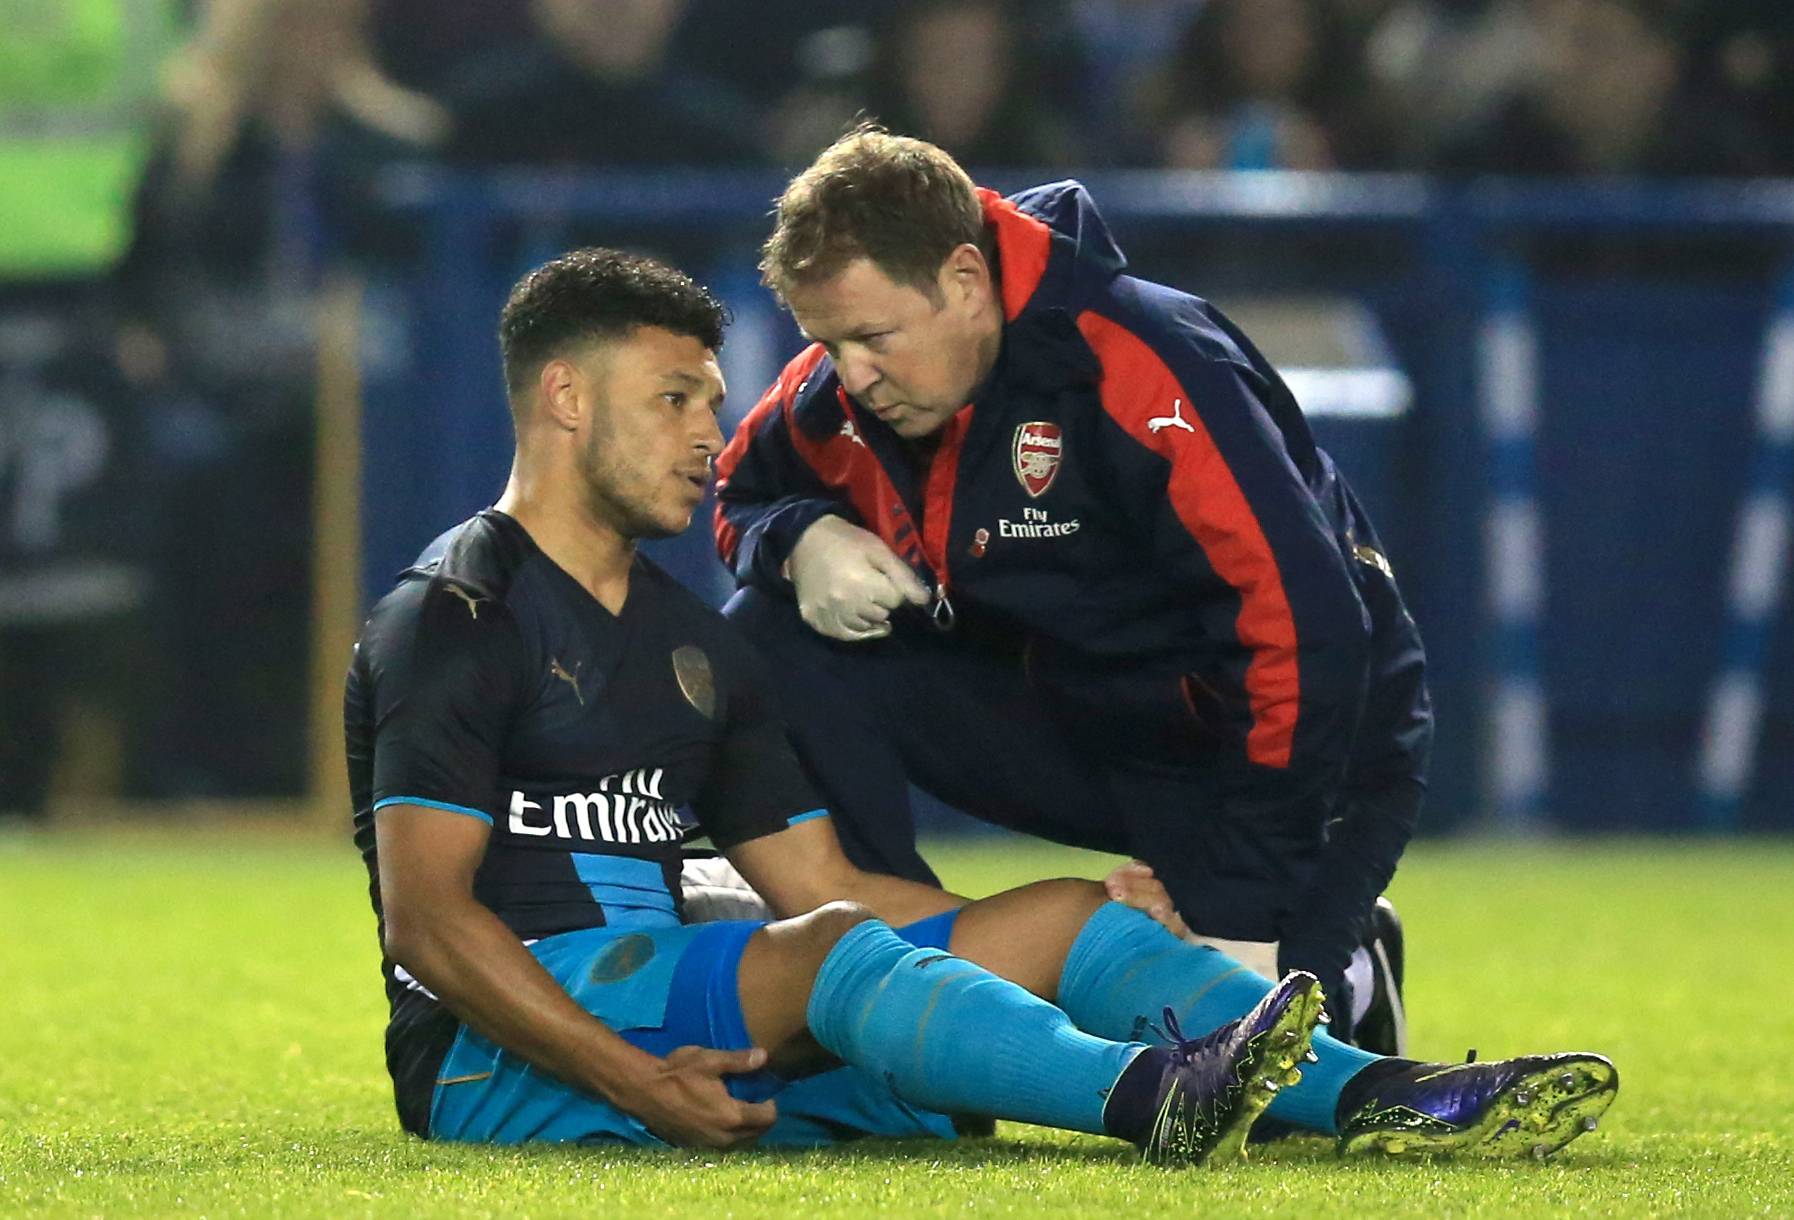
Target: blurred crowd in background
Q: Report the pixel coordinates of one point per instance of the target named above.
(1510, 86)
(1520, 86)
(166, 167)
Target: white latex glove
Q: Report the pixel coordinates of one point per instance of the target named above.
(848, 581)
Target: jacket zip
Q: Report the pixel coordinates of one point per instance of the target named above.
(937, 514)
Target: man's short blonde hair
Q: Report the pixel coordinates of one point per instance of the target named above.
(901, 202)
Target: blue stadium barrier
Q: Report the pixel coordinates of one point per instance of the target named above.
(1519, 768)
(1757, 584)
(1569, 575)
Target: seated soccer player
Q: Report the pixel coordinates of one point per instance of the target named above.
(537, 716)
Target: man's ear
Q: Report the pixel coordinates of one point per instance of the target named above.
(966, 277)
(558, 396)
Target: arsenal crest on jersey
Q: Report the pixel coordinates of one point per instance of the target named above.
(1038, 447)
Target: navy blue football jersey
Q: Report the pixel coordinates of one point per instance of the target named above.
(491, 684)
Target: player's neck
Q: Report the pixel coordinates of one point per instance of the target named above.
(591, 551)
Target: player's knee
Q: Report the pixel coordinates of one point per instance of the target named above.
(1075, 896)
(833, 920)
(1081, 889)
(799, 946)
(815, 935)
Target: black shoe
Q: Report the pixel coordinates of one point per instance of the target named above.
(1383, 1030)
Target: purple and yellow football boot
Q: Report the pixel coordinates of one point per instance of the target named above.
(1506, 1108)
(1193, 1102)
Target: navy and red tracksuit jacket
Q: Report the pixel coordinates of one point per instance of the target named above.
(1136, 494)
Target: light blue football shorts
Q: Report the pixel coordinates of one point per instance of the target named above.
(660, 989)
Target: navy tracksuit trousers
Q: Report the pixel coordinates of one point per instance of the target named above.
(962, 721)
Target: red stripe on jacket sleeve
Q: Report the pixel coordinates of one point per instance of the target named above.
(777, 399)
(844, 464)
(1138, 386)
(840, 463)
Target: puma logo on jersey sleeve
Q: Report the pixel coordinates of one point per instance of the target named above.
(473, 600)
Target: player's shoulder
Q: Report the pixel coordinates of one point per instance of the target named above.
(479, 557)
(454, 598)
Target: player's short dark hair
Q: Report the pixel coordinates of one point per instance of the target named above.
(593, 294)
(901, 202)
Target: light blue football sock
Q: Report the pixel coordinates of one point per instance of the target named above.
(1124, 969)
(951, 1036)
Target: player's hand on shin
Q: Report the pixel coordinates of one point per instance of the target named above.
(848, 581)
(1133, 884)
(687, 1104)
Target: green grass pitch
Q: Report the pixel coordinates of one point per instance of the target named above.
(191, 1026)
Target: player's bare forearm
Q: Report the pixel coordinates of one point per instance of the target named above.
(894, 900)
(482, 972)
(461, 951)
(454, 945)
(800, 869)
(479, 968)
